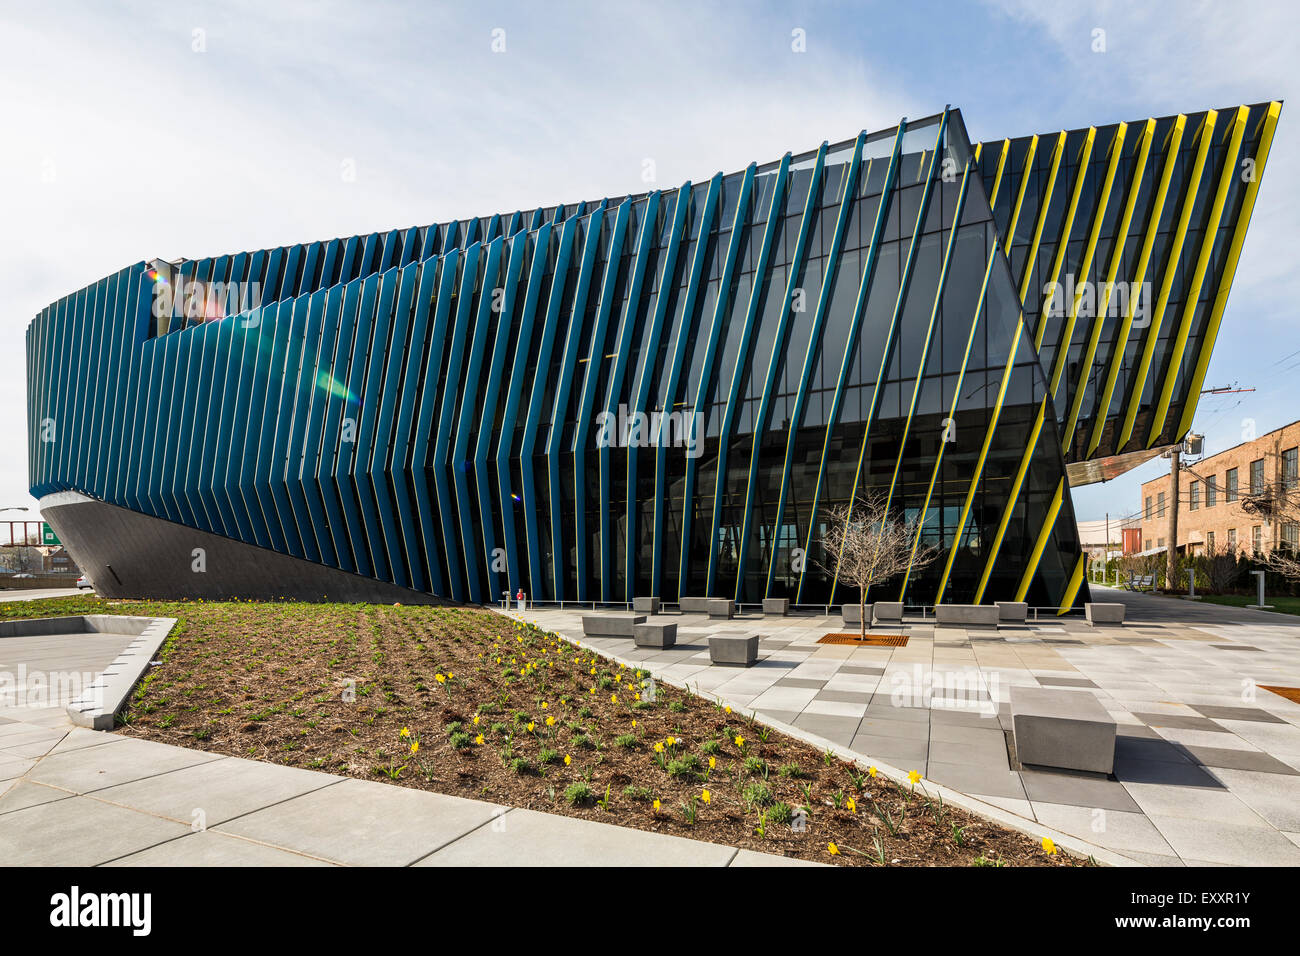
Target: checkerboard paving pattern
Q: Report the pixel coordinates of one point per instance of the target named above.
(1207, 765)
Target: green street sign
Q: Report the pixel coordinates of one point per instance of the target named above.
(48, 537)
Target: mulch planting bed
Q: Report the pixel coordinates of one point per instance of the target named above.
(463, 701)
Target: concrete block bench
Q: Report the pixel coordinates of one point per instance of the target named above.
(1062, 728)
(778, 606)
(966, 615)
(887, 612)
(611, 625)
(646, 605)
(720, 608)
(694, 605)
(852, 613)
(1105, 614)
(1012, 612)
(655, 635)
(733, 650)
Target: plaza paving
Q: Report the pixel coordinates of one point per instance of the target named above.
(1207, 763)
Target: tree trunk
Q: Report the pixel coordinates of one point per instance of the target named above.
(862, 612)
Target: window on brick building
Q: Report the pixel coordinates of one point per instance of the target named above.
(1257, 476)
(1194, 493)
(1231, 490)
(1211, 492)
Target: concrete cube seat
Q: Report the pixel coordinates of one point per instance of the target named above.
(611, 625)
(720, 608)
(1062, 728)
(694, 605)
(777, 606)
(1104, 614)
(733, 650)
(645, 605)
(655, 635)
(966, 615)
(887, 612)
(1012, 612)
(852, 613)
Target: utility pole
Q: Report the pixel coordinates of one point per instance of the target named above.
(1173, 515)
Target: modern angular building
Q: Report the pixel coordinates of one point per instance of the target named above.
(660, 394)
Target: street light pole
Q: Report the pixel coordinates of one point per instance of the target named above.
(1174, 456)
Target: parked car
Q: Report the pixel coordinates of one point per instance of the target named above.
(24, 575)
(84, 582)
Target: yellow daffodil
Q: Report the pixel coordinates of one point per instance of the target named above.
(567, 760)
(406, 732)
(851, 805)
(706, 796)
(740, 741)
(544, 705)
(712, 763)
(656, 804)
(727, 709)
(550, 721)
(531, 725)
(479, 740)
(476, 719)
(1049, 847)
(440, 678)
(671, 740)
(415, 746)
(871, 771)
(637, 695)
(613, 698)
(914, 776)
(633, 723)
(832, 849)
(659, 747)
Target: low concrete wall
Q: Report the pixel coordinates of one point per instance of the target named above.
(720, 608)
(655, 635)
(611, 625)
(734, 650)
(99, 703)
(1012, 612)
(777, 606)
(966, 615)
(90, 624)
(1062, 728)
(852, 613)
(887, 612)
(1104, 614)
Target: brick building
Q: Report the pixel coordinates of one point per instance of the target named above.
(1211, 492)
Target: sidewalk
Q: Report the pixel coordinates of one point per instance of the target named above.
(74, 797)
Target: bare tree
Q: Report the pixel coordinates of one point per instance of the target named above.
(864, 545)
(1279, 506)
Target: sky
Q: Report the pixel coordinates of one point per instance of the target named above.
(186, 129)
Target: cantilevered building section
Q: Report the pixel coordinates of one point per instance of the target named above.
(663, 394)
